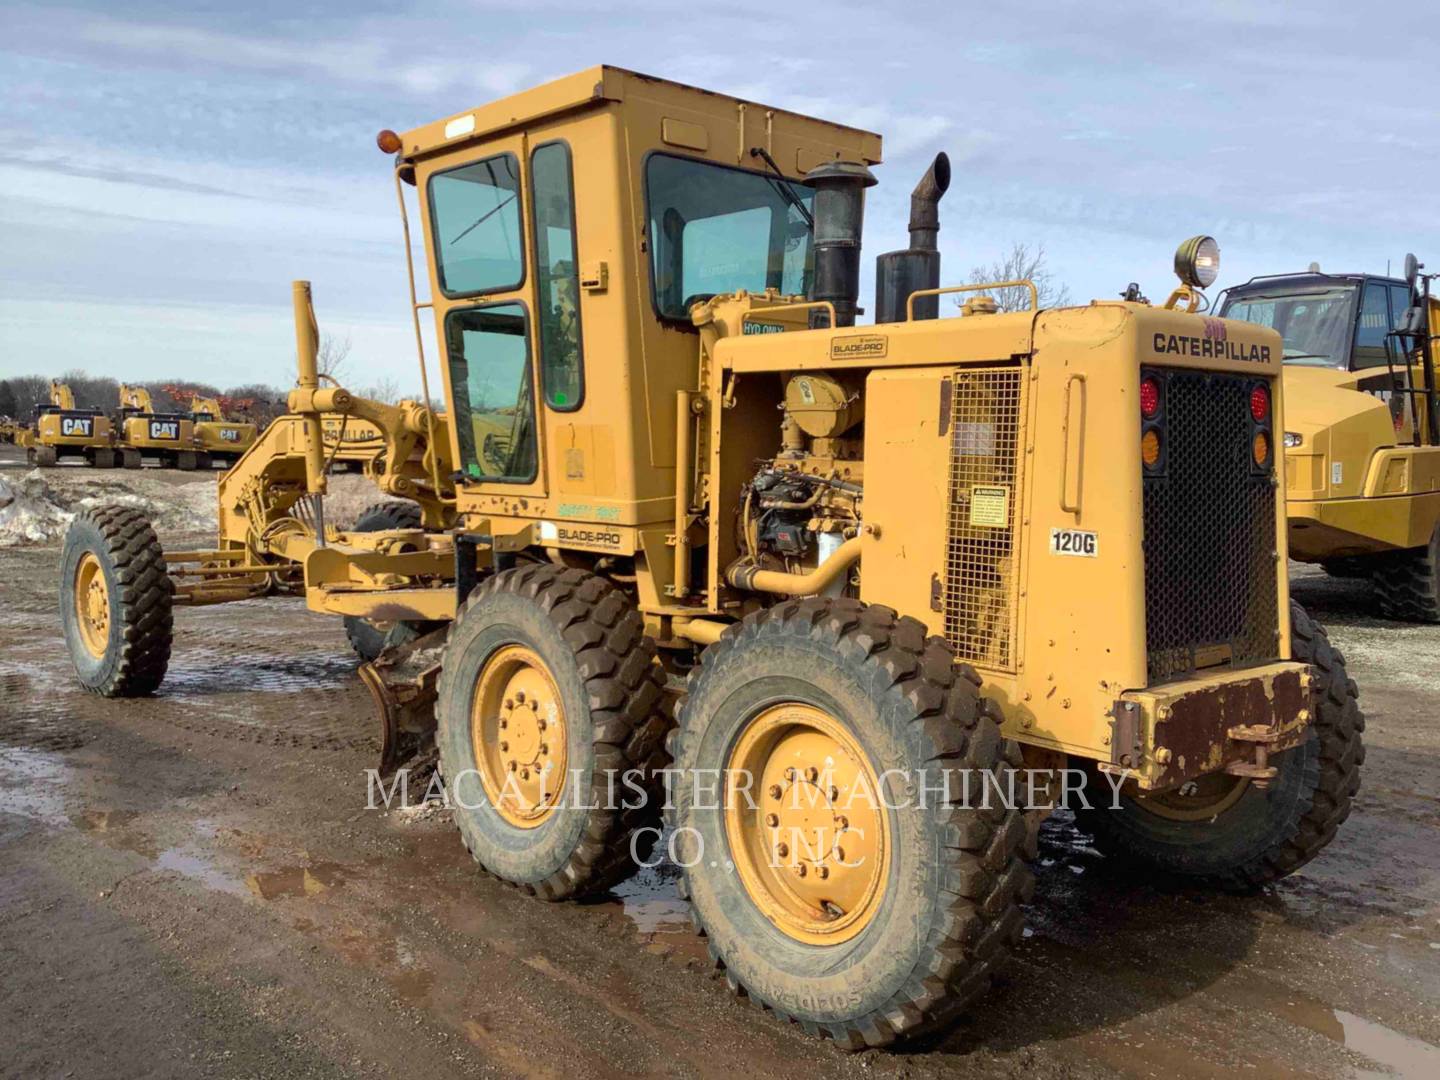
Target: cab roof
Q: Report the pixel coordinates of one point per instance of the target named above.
(605, 83)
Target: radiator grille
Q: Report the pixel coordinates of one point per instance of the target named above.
(1210, 588)
(986, 417)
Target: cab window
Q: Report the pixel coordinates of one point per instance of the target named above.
(475, 223)
(490, 377)
(715, 229)
(557, 276)
(1372, 326)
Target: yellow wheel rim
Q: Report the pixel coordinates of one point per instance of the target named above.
(1196, 800)
(806, 824)
(517, 731)
(92, 605)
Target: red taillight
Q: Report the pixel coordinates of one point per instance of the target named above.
(1149, 398)
(1259, 404)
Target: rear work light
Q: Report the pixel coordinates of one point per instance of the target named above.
(1259, 404)
(1149, 398)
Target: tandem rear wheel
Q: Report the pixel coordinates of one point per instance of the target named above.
(551, 721)
(1224, 832)
(837, 883)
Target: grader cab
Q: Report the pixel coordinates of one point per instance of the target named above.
(61, 430)
(836, 582)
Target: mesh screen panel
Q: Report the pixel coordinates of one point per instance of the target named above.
(1210, 589)
(986, 416)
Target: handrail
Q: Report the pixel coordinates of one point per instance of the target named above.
(1066, 505)
(978, 287)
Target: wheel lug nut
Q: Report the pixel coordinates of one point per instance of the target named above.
(509, 703)
(774, 791)
(834, 794)
(513, 766)
(772, 820)
(504, 746)
(823, 872)
(524, 774)
(812, 774)
(504, 723)
(520, 696)
(839, 854)
(789, 774)
(540, 724)
(544, 749)
(842, 823)
(799, 869)
(781, 850)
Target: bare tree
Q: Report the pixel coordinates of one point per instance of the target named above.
(385, 390)
(9, 406)
(332, 355)
(1021, 263)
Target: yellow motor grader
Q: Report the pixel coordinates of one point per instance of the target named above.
(142, 432)
(216, 437)
(881, 569)
(1362, 433)
(61, 430)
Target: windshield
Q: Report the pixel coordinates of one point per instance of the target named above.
(1316, 323)
(715, 229)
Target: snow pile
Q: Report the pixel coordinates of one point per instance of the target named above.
(28, 513)
(37, 508)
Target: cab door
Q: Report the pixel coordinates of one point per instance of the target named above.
(477, 222)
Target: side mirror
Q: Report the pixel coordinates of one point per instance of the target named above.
(1412, 270)
(1413, 322)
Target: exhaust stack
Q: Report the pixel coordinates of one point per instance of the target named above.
(839, 213)
(900, 273)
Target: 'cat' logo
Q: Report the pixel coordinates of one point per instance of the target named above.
(230, 434)
(75, 425)
(164, 429)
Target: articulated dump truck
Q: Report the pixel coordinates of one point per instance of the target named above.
(687, 521)
(1362, 426)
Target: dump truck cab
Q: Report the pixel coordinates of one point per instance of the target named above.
(1362, 468)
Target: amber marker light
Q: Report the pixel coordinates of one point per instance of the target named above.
(1261, 448)
(388, 141)
(1150, 448)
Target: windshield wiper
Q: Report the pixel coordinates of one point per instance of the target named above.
(784, 189)
(482, 219)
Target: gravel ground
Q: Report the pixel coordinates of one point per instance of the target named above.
(192, 886)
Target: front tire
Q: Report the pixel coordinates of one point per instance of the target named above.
(864, 957)
(115, 602)
(548, 666)
(1250, 837)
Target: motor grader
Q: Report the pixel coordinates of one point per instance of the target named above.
(709, 529)
(216, 437)
(1362, 428)
(61, 429)
(141, 432)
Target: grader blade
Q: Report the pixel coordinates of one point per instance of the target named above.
(402, 683)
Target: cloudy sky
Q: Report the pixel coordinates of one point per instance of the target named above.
(170, 167)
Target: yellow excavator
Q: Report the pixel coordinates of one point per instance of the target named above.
(1362, 425)
(62, 429)
(218, 438)
(143, 432)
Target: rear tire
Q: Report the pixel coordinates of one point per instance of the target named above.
(886, 963)
(115, 602)
(1407, 583)
(368, 639)
(1260, 836)
(607, 690)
